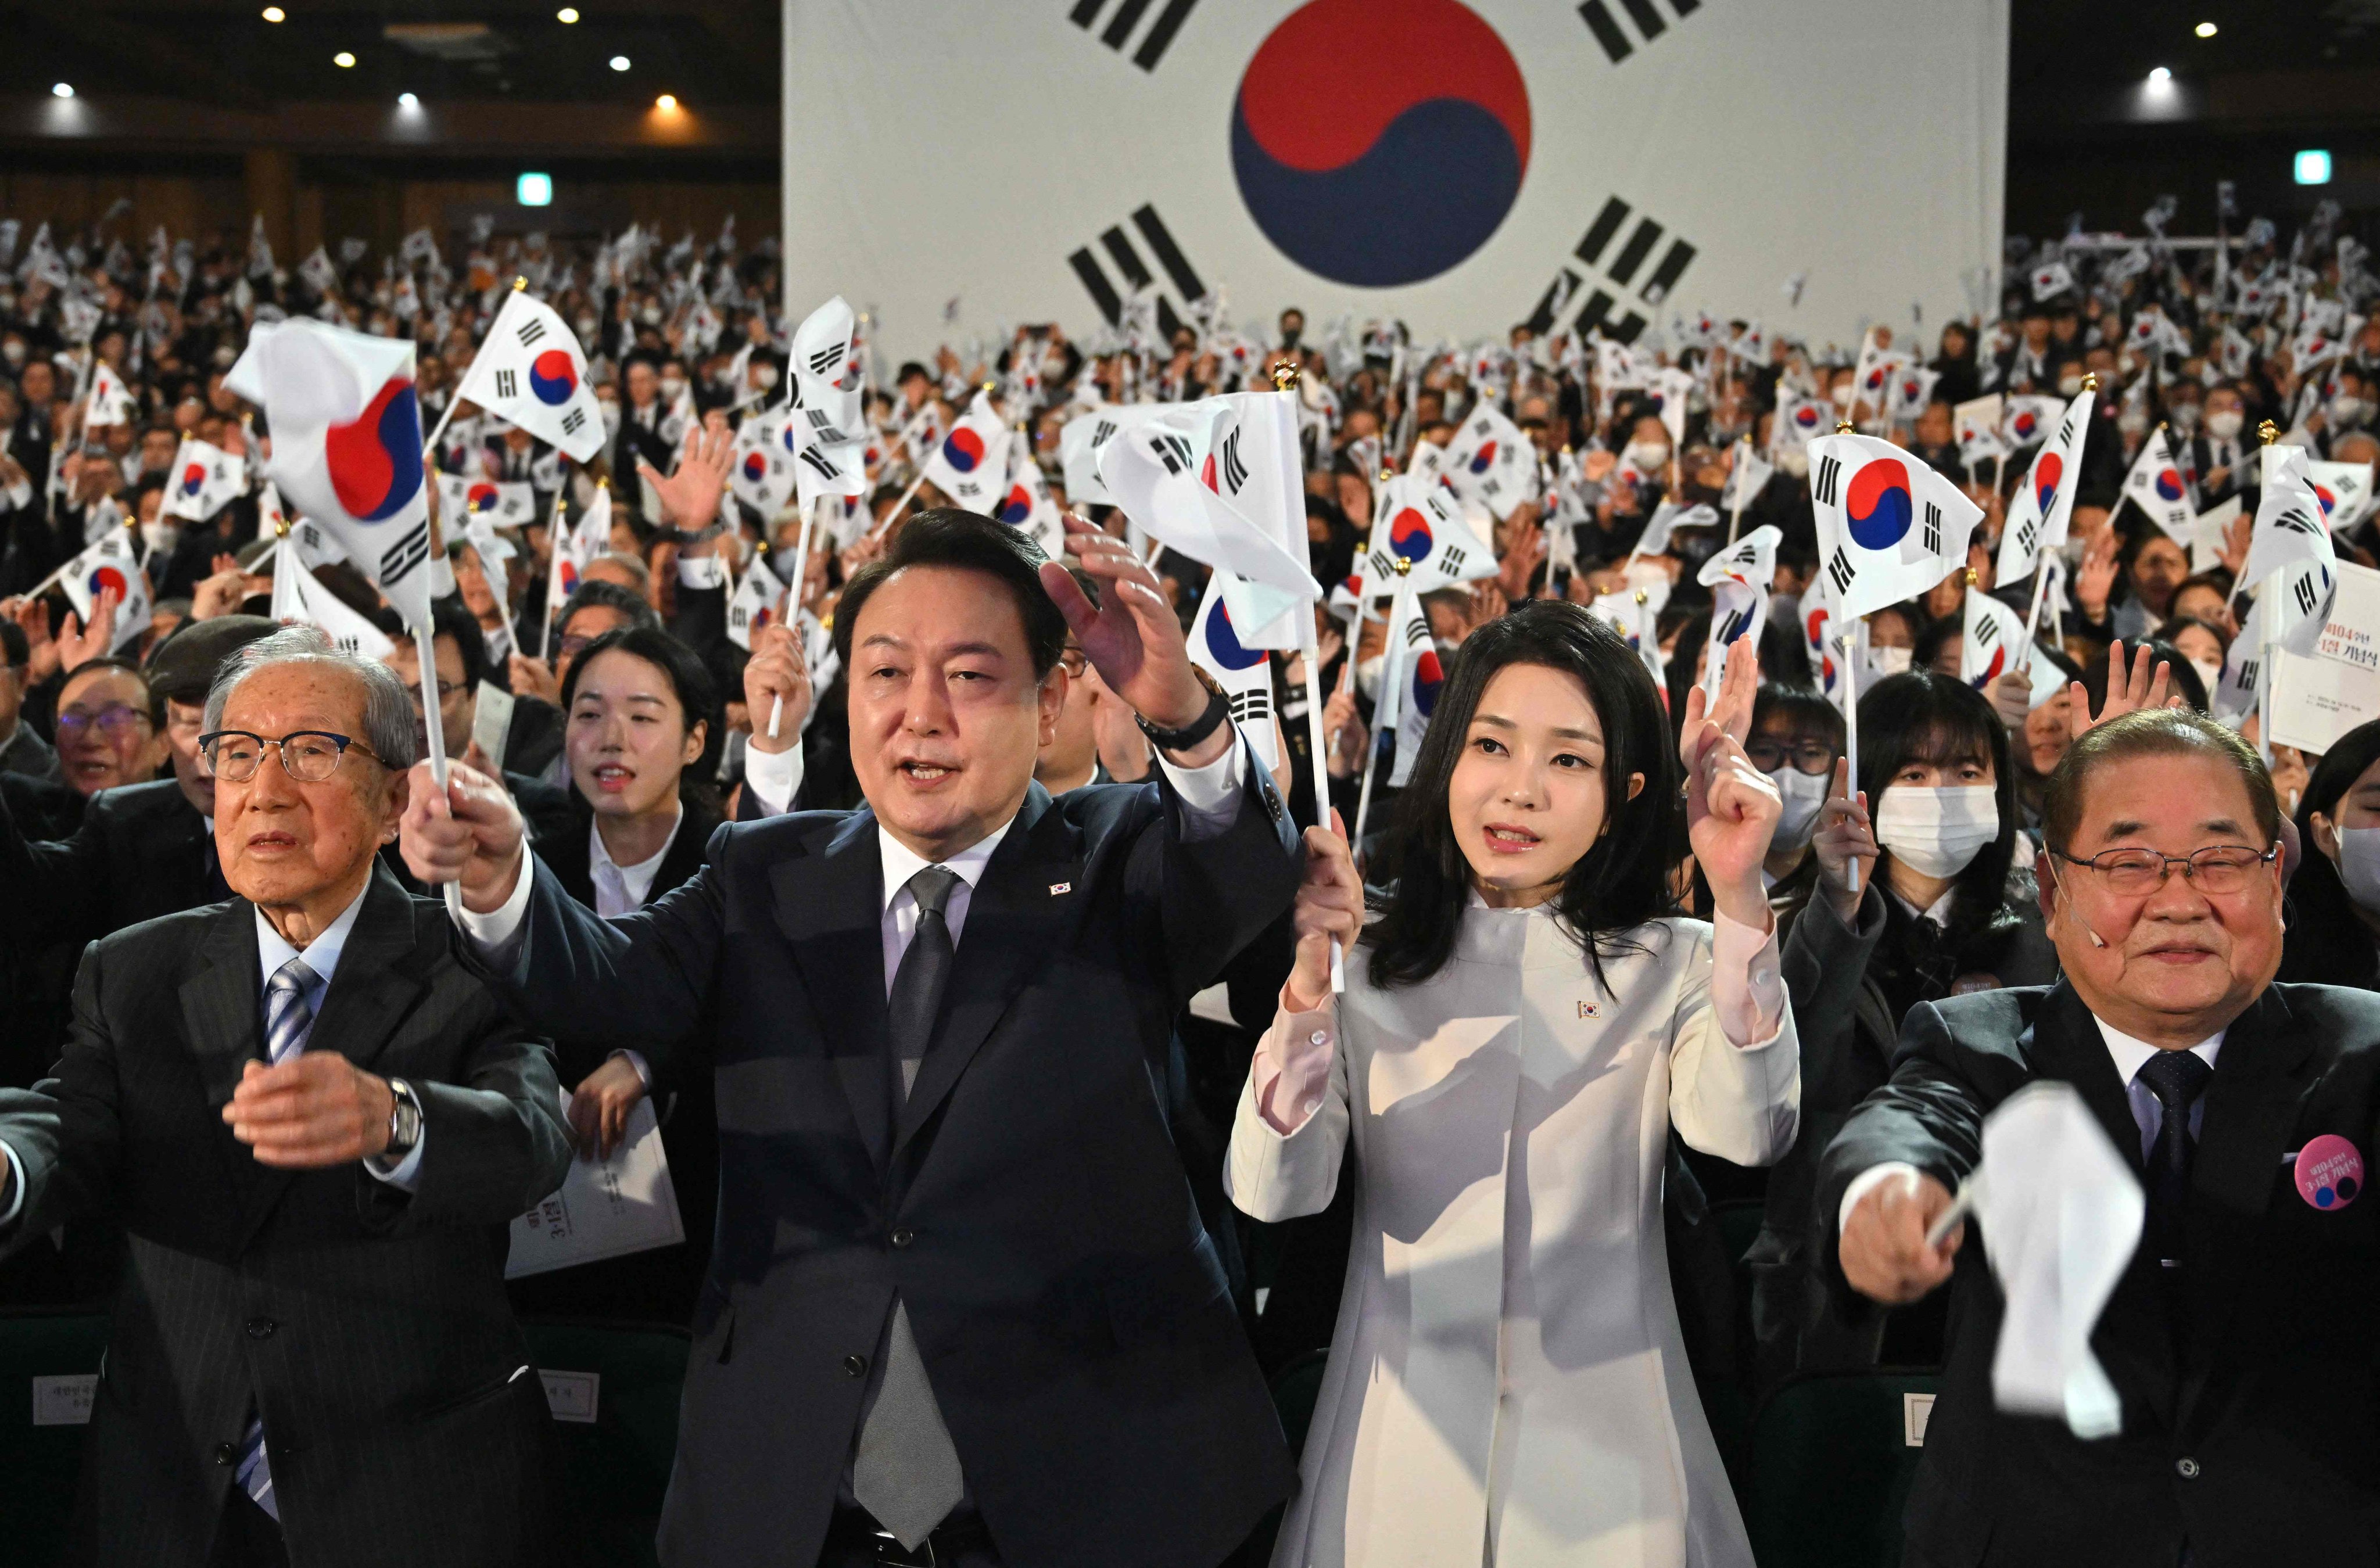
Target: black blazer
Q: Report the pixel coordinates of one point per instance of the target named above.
(1026, 1203)
(142, 851)
(2254, 1432)
(368, 1326)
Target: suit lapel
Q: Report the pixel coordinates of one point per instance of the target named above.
(377, 981)
(1012, 922)
(2067, 1045)
(221, 1001)
(831, 906)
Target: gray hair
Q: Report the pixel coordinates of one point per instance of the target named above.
(388, 710)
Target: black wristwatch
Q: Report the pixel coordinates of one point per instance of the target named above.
(403, 1120)
(1217, 709)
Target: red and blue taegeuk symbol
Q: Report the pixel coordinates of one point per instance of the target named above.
(1380, 142)
(1016, 506)
(1485, 458)
(1223, 641)
(375, 460)
(755, 468)
(480, 497)
(2046, 475)
(2168, 484)
(963, 450)
(106, 580)
(2024, 424)
(2322, 494)
(1409, 535)
(569, 577)
(1992, 671)
(1877, 503)
(1805, 418)
(194, 477)
(553, 377)
(1427, 676)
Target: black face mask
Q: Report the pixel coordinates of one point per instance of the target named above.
(1289, 335)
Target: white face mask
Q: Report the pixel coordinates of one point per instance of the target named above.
(1842, 395)
(2132, 424)
(673, 387)
(2358, 865)
(2210, 674)
(1804, 793)
(1649, 457)
(610, 416)
(13, 352)
(1889, 660)
(1794, 461)
(160, 535)
(2224, 423)
(650, 315)
(1367, 676)
(1938, 832)
(587, 325)
(764, 375)
(2069, 386)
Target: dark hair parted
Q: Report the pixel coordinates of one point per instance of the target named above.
(697, 693)
(1939, 720)
(2152, 732)
(1617, 885)
(967, 542)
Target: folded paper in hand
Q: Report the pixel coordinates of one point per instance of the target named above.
(604, 1208)
(2060, 1213)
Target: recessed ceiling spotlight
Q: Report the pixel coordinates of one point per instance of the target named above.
(2204, 30)
(619, 62)
(344, 60)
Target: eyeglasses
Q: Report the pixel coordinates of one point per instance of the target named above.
(1807, 756)
(1073, 661)
(446, 690)
(2217, 868)
(570, 646)
(307, 756)
(117, 721)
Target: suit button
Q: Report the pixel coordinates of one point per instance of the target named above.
(855, 1365)
(903, 1237)
(225, 1455)
(2186, 1467)
(260, 1328)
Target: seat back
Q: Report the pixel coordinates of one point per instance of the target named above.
(49, 1362)
(1833, 1455)
(614, 1391)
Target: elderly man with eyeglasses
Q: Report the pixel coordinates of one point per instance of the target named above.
(2241, 1337)
(313, 1125)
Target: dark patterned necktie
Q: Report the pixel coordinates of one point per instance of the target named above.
(2177, 1078)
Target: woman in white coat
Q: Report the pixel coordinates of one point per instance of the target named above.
(1525, 1019)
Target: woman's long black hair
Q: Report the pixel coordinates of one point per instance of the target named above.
(1617, 885)
(698, 698)
(2327, 943)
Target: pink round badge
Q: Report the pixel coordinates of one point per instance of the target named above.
(2330, 1172)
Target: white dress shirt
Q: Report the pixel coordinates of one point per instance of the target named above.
(622, 889)
(2130, 1056)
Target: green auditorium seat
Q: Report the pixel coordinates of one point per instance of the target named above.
(1831, 1465)
(47, 1363)
(615, 1466)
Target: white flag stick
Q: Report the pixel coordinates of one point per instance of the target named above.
(1312, 653)
(1390, 674)
(2264, 685)
(433, 732)
(448, 412)
(1970, 1191)
(2032, 616)
(794, 609)
(1851, 733)
(901, 505)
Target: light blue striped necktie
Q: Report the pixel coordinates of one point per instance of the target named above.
(288, 1017)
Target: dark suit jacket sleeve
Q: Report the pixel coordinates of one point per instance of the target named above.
(52, 892)
(1209, 897)
(640, 982)
(1929, 1116)
(495, 1143)
(66, 1130)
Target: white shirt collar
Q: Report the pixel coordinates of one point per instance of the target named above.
(2133, 1054)
(637, 880)
(321, 954)
(901, 862)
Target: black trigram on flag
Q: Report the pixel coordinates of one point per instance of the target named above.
(2025, 534)
(507, 383)
(405, 556)
(1134, 271)
(572, 421)
(1450, 559)
(1732, 627)
(1824, 486)
(1173, 451)
(2296, 520)
(1253, 704)
(1603, 298)
(1839, 571)
(2307, 596)
(825, 360)
(530, 330)
(1933, 527)
(820, 463)
(1649, 22)
(1987, 632)
(825, 427)
(1085, 14)
(1234, 472)
(2248, 675)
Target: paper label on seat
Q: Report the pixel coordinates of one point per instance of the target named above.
(65, 1400)
(1916, 1409)
(572, 1395)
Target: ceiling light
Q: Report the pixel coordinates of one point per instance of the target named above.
(619, 62)
(667, 102)
(534, 191)
(2312, 167)
(2159, 76)
(2204, 30)
(62, 91)
(275, 14)
(407, 101)
(344, 60)
(568, 15)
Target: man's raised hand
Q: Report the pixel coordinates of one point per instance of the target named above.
(469, 834)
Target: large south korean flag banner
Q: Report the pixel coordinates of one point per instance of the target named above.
(1458, 164)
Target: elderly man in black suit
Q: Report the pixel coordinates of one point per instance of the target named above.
(962, 1310)
(314, 1124)
(2241, 1335)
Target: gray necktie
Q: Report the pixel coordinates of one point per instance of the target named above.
(907, 1472)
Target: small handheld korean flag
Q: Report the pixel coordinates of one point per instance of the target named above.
(505, 503)
(2288, 533)
(2156, 485)
(111, 564)
(1420, 675)
(298, 596)
(1154, 475)
(205, 479)
(759, 602)
(1747, 475)
(1995, 638)
(1799, 421)
(1420, 524)
(347, 446)
(532, 371)
(1890, 528)
(2345, 492)
(763, 476)
(2038, 515)
(110, 403)
(971, 464)
(1493, 463)
(1975, 425)
(1243, 673)
(1818, 642)
(1739, 578)
(1085, 436)
(1031, 508)
(2028, 419)
(1634, 614)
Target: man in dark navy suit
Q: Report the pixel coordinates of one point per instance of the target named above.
(960, 1309)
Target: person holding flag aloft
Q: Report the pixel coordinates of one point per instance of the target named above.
(1531, 959)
